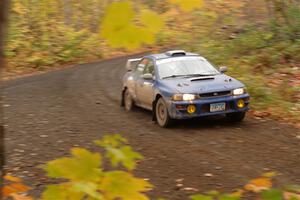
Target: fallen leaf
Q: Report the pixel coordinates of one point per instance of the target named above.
(190, 189)
(12, 178)
(208, 175)
(20, 197)
(270, 174)
(259, 184)
(291, 196)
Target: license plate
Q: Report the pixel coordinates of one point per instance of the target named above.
(215, 107)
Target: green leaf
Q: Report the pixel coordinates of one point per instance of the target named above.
(124, 155)
(272, 194)
(201, 197)
(122, 185)
(83, 166)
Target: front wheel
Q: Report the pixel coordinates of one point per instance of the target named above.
(162, 114)
(236, 117)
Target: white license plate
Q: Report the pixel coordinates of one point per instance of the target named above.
(215, 107)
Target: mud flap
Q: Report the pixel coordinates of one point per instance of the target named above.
(154, 110)
(122, 104)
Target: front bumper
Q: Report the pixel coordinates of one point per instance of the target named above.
(178, 109)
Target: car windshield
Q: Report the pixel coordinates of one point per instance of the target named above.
(185, 66)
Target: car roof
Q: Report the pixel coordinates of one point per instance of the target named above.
(171, 54)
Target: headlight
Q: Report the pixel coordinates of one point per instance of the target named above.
(183, 97)
(239, 91)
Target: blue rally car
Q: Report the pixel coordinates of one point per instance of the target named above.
(181, 85)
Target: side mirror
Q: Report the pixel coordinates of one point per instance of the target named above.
(223, 69)
(128, 67)
(131, 63)
(147, 76)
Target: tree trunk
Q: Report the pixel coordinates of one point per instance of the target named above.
(3, 20)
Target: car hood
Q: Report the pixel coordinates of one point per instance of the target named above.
(200, 85)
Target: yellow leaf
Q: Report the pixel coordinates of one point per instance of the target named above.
(55, 192)
(121, 28)
(122, 185)
(83, 165)
(259, 184)
(237, 193)
(19, 8)
(151, 20)
(12, 178)
(270, 174)
(188, 5)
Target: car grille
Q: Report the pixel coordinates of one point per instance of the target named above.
(215, 94)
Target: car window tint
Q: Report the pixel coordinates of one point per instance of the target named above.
(149, 69)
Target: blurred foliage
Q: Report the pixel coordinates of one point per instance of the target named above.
(121, 30)
(188, 5)
(260, 42)
(48, 32)
(87, 179)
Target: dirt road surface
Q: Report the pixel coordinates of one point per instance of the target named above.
(46, 115)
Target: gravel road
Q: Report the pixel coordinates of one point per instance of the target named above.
(47, 114)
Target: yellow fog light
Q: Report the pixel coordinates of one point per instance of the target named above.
(191, 109)
(240, 103)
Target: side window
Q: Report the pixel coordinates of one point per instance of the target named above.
(149, 69)
(141, 65)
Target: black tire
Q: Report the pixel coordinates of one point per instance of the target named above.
(162, 115)
(236, 117)
(128, 101)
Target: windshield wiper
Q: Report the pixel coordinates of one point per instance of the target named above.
(188, 75)
(196, 75)
(173, 76)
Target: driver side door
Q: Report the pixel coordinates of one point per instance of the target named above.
(145, 89)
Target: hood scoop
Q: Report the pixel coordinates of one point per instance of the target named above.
(203, 79)
(183, 84)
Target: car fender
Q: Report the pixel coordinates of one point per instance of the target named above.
(163, 91)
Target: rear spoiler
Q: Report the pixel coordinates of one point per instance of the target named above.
(131, 63)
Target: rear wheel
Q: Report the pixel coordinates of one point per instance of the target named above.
(162, 114)
(128, 101)
(236, 117)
